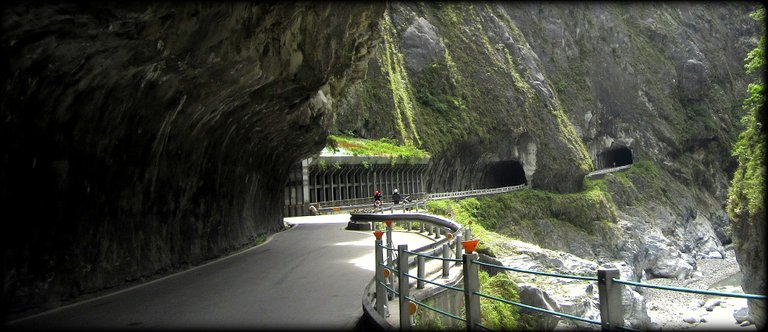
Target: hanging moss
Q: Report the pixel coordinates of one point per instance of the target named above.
(399, 84)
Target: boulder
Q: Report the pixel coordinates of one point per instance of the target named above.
(741, 314)
(711, 304)
(635, 311)
(534, 296)
(671, 267)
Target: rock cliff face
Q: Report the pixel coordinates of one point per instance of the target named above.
(566, 88)
(746, 196)
(140, 137)
(557, 85)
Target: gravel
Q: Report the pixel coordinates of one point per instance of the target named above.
(679, 310)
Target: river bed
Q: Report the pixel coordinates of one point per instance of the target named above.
(669, 309)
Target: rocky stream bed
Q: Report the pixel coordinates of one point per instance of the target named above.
(645, 308)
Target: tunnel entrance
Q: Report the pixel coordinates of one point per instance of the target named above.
(505, 173)
(621, 156)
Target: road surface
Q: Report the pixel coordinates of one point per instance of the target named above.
(311, 276)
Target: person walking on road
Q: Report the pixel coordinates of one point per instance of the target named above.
(396, 197)
(376, 198)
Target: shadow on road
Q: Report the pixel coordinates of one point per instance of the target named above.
(366, 325)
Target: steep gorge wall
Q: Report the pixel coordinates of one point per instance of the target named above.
(557, 84)
(139, 137)
(554, 85)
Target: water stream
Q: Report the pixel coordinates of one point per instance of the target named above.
(731, 284)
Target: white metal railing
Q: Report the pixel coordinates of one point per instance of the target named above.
(609, 170)
(477, 192)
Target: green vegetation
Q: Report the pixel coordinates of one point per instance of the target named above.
(428, 320)
(499, 315)
(384, 147)
(510, 213)
(263, 237)
(641, 183)
(746, 195)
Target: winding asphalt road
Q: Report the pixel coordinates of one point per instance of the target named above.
(309, 277)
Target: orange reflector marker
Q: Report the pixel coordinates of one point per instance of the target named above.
(470, 245)
(386, 273)
(388, 222)
(411, 308)
(378, 234)
(469, 222)
(449, 236)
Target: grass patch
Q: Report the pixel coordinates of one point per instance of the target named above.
(385, 147)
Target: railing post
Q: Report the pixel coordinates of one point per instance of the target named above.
(420, 272)
(402, 267)
(437, 232)
(421, 227)
(471, 285)
(467, 234)
(381, 293)
(459, 248)
(611, 309)
(390, 262)
(407, 226)
(429, 229)
(446, 263)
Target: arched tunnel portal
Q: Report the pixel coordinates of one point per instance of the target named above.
(505, 173)
(621, 156)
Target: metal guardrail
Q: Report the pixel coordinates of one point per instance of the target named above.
(369, 206)
(447, 235)
(690, 290)
(364, 201)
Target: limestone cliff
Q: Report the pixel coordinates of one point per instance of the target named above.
(560, 88)
(139, 137)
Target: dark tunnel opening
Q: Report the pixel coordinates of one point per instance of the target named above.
(505, 173)
(616, 157)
